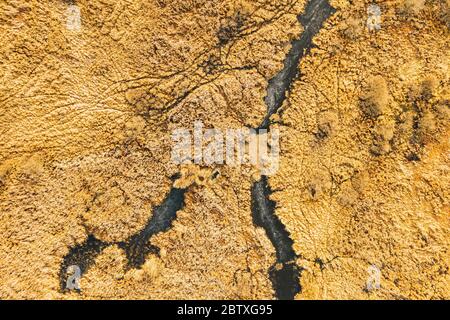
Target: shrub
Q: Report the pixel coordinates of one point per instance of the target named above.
(412, 7)
(443, 111)
(423, 91)
(428, 87)
(231, 28)
(445, 16)
(347, 197)
(383, 133)
(33, 166)
(3, 174)
(352, 28)
(427, 127)
(374, 100)
(327, 123)
(318, 186)
(360, 181)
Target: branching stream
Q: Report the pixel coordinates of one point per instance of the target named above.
(284, 274)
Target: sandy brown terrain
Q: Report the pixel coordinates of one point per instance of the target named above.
(88, 109)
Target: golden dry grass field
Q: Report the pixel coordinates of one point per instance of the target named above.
(91, 92)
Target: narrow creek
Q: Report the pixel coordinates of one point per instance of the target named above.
(285, 274)
(136, 247)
